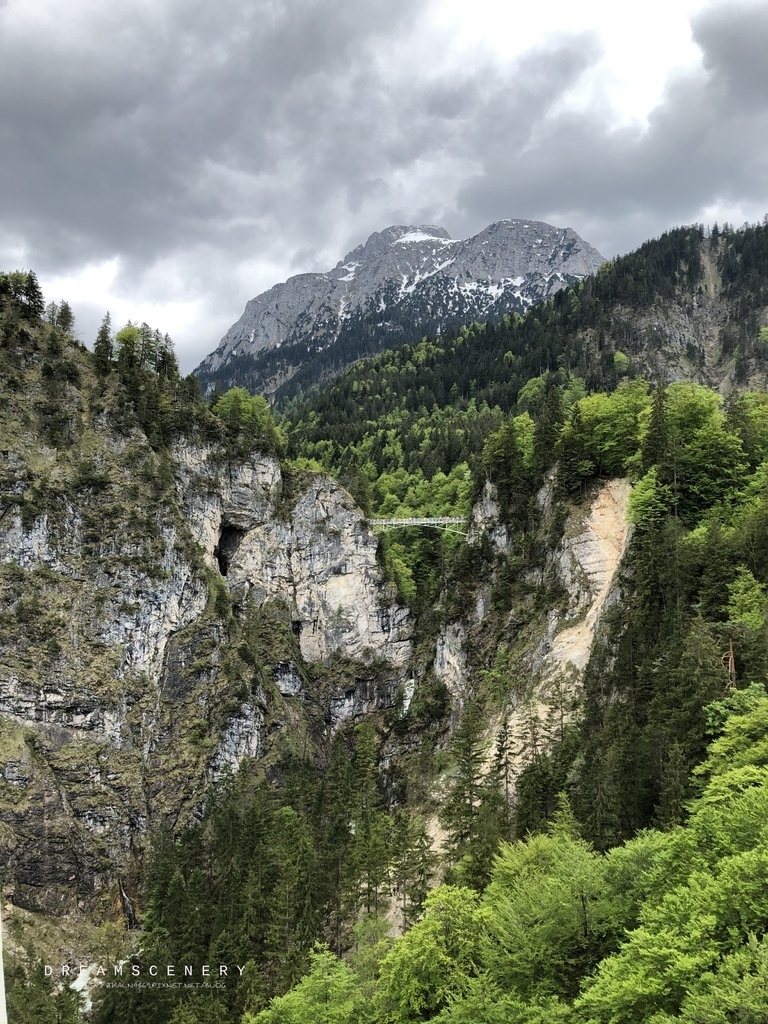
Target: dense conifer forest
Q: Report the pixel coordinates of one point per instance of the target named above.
(621, 877)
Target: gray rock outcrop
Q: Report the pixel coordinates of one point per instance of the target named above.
(414, 274)
(121, 698)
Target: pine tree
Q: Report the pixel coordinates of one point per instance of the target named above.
(32, 295)
(66, 318)
(103, 348)
(167, 364)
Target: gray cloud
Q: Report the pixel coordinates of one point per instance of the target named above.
(194, 140)
(118, 146)
(705, 144)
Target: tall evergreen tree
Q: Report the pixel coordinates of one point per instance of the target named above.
(34, 301)
(66, 318)
(166, 364)
(103, 348)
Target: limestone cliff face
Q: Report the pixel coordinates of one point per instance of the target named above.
(586, 562)
(124, 689)
(546, 652)
(318, 557)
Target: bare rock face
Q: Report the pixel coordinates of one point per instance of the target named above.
(405, 274)
(487, 520)
(586, 560)
(551, 656)
(122, 695)
(450, 665)
(318, 557)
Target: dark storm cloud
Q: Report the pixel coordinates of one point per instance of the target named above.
(117, 142)
(192, 140)
(705, 144)
(734, 42)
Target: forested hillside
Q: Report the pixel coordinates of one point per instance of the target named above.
(405, 281)
(529, 846)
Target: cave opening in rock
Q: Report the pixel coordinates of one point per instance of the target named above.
(229, 541)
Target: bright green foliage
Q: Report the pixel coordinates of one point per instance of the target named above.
(604, 432)
(547, 915)
(531, 396)
(747, 600)
(128, 346)
(416, 559)
(737, 990)
(699, 576)
(673, 916)
(434, 962)
(744, 741)
(327, 994)
(707, 895)
(702, 460)
(248, 416)
(650, 501)
(747, 416)
(486, 1005)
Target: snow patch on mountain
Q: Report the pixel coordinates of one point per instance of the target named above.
(415, 275)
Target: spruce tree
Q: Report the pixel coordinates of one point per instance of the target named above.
(460, 811)
(103, 347)
(148, 345)
(167, 364)
(655, 443)
(65, 320)
(33, 297)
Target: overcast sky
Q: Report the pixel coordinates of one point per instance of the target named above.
(170, 159)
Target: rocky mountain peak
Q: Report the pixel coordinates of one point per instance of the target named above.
(403, 282)
(380, 240)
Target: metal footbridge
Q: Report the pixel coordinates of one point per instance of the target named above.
(451, 524)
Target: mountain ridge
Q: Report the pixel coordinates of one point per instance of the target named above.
(403, 282)
(183, 608)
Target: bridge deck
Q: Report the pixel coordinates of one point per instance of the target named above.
(434, 521)
(451, 524)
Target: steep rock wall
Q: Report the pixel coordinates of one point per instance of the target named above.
(546, 657)
(122, 694)
(318, 557)
(586, 561)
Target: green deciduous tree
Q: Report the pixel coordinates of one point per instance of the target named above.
(128, 346)
(547, 913)
(249, 416)
(327, 994)
(434, 962)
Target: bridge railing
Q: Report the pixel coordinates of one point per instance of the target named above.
(448, 523)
